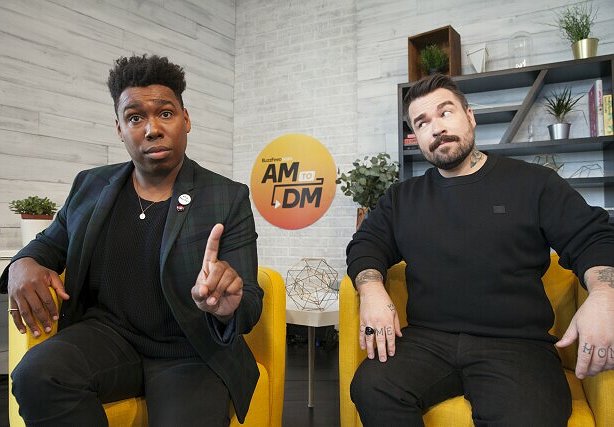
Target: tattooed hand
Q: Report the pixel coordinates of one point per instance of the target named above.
(377, 312)
(593, 324)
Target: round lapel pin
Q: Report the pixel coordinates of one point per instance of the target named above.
(185, 199)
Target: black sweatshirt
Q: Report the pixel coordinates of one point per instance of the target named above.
(476, 246)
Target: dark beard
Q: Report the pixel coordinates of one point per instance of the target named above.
(451, 163)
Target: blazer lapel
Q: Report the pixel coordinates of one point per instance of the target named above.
(184, 185)
(99, 215)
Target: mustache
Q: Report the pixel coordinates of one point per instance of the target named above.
(441, 139)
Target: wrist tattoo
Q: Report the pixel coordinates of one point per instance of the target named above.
(606, 275)
(370, 275)
(391, 307)
(476, 156)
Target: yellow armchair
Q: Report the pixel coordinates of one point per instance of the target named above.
(267, 341)
(592, 398)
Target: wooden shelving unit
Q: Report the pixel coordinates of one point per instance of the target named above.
(534, 78)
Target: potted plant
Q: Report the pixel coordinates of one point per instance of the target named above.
(36, 215)
(368, 181)
(433, 59)
(559, 104)
(575, 23)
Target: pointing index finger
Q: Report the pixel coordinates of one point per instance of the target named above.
(213, 246)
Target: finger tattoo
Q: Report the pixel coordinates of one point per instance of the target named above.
(587, 348)
(379, 331)
(602, 352)
(389, 330)
(391, 307)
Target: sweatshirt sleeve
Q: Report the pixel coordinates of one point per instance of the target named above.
(374, 246)
(579, 233)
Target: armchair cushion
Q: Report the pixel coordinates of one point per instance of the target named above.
(592, 398)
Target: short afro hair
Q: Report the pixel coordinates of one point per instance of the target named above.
(141, 71)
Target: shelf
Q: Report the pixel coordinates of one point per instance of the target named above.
(446, 38)
(591, 181)
(490, 115)
(575, 145)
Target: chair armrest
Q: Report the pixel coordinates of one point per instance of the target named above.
(267, 340)
(19, 344)
(350, 354)
(599, 392)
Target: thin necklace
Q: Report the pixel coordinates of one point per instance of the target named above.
(142, 215)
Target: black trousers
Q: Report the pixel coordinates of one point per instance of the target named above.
(509, 382)
(64, 381)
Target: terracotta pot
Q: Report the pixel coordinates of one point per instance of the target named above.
(361, 214)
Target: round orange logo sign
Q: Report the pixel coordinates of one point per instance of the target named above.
(293, 181)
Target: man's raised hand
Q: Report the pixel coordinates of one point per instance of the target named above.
(218, 288)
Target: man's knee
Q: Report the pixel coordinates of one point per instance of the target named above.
(43, 370)
(371, 387)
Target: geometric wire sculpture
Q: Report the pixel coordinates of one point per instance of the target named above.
(311, 284)
(587, 171)
(548, 160)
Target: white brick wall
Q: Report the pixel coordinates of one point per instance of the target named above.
(330, 69)
(296, 73)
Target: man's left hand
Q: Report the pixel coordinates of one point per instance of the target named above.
(218, 288)
(593, 325)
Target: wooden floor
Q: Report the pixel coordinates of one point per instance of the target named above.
(325, 412)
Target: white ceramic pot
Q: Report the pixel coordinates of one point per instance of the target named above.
(30, 227)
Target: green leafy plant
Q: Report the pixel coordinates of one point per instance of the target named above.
(34, 205)
(561, 103)
(575, 21)
(433, 57)
(369, 179)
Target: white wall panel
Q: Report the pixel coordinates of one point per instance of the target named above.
(56, 115)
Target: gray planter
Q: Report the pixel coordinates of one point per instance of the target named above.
(559, 130)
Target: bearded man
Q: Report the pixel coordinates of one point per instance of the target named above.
(476, 233)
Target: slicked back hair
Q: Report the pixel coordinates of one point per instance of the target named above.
(429, 84)
(141, 71)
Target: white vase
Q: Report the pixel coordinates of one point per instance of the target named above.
(31, 227)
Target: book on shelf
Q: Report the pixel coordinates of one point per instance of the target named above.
(595, 108)
(608, 128)
(409, 142)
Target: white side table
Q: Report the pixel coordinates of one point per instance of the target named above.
(312, 319)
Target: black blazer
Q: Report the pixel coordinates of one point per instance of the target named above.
(69, 241)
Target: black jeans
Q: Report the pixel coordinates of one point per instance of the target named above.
(64, 380)
(509, 382)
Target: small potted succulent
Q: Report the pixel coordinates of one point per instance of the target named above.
(434, 59)
(559, 104)
(368, 181)
(36, 215)
(575, 23)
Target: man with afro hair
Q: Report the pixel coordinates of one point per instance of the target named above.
(160, 278)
